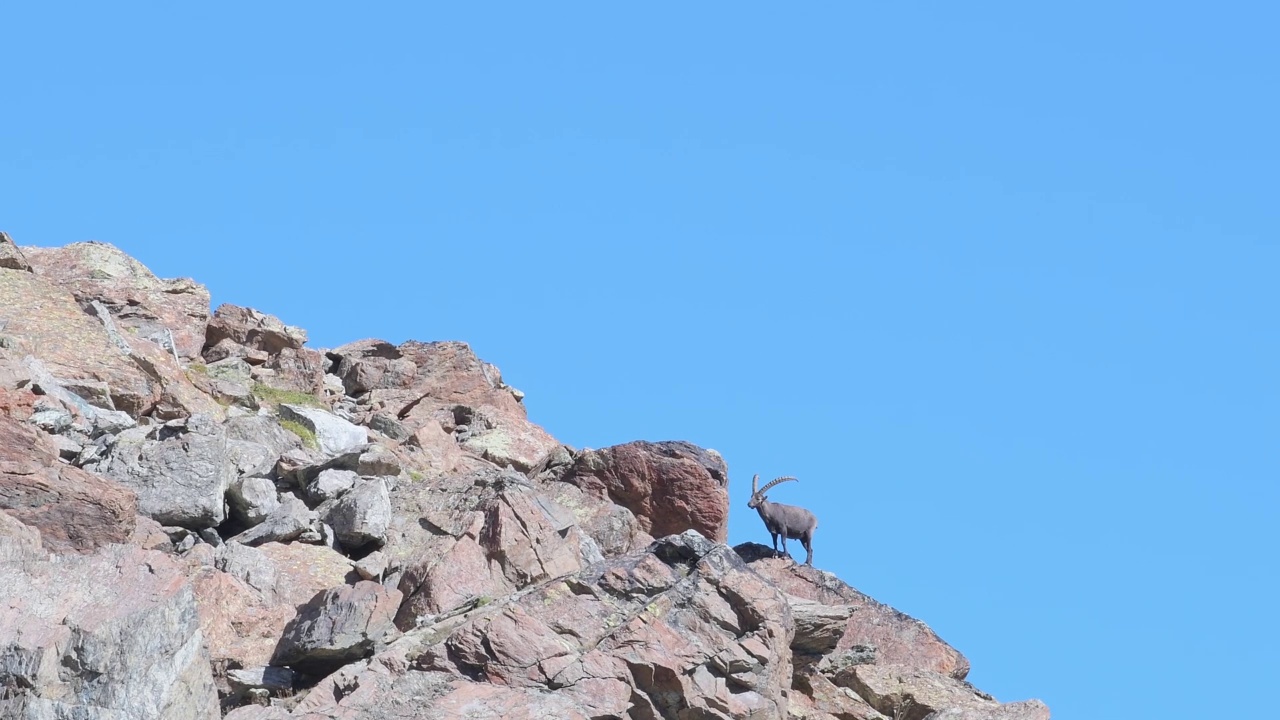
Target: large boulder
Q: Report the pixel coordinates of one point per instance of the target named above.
(669, 486)
(74, 510)
(361, 516)
(111, 636)
(338, 626)
(333, 435)
(180, 470)
(170, 313)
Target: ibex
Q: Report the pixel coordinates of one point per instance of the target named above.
(788, 521)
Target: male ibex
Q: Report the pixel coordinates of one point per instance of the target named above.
(788, 521)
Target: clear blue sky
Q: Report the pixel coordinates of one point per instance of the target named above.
(997, 282)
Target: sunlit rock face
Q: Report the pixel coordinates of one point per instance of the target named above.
(200, 516)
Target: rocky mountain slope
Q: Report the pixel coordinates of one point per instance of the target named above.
(202, 517)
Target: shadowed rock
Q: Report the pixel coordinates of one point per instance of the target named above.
(11, 258)
(340, 625)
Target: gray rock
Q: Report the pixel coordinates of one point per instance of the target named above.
(232, 369)
(211, 536)
(362, 515)
(68, 449)
(340, 625)
(109, 636)
(253, 499)
(390, 426)
(111, 422)
(289, 521)
(271, 679)
(330, 484)
(52, 421)
(262, 430)
(249, 564)
(180, 470)
(373, 566)
(333, 434)
(819, 627)
(378, 460)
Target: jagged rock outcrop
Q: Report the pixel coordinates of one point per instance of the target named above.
(81, 346)
(274, 350)
(893, 637)
(201, 516)
(444, 387)
(11, 258)
(170, 313)
(111, 635)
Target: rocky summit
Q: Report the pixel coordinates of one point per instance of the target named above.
(203, 517)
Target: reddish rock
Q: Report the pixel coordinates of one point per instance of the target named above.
(273, 348)
(17, 404)
(681, 629)
(912, 693)
(669, 486)
(367, 365)
(72, 344)
(446, 384)
(480, 534)
(253, 330)
(897, 638)
(74, 510)
(79, 350)
(162, 311)
(243, 624)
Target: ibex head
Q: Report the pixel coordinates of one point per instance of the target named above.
(757, 496)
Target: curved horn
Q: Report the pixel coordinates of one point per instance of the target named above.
(754, 482)
(765, 489)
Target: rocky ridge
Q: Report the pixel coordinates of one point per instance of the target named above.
(202, 517)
